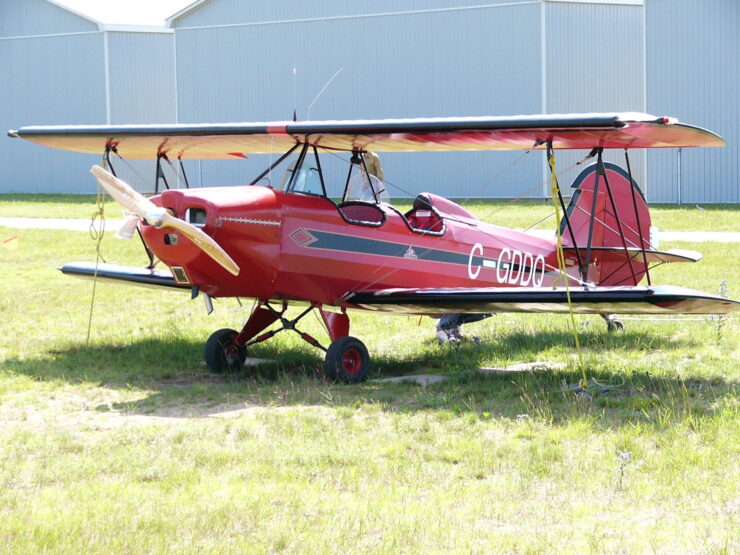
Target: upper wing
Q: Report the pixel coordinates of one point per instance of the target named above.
(594, 300)
(225, 140)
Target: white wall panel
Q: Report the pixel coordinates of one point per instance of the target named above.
(693, 73)
(594, 63)
(51, 80)
(232, 12)
(142, 87)
(20, 18)
(467, 62)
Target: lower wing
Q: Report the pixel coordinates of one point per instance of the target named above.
(583, 300)
(123, 274)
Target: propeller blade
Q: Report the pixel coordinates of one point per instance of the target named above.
(124, 194)
(158, 217)
(204, 241)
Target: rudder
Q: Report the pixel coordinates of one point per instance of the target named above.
(608, 267)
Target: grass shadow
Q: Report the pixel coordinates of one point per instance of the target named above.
(175, 382)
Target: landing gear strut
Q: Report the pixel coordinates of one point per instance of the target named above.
(347, 359)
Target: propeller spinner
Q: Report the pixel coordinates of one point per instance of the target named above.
(159, 217)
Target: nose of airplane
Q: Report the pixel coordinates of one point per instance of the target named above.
(160, 218)
(244, 221)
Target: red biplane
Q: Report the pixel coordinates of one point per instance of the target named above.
(290, 242)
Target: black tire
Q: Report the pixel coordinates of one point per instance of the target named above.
(222, 354)
(614, 325)
(347, 360)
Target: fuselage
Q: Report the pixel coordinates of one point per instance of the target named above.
(305, 247)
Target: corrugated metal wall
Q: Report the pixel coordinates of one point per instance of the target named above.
(398, 58)
(141, 73)
(22, 18)
(224, 12)
(142, 77)
(37, 90)
(594, 63)
(413, 58)
(693, 73)
(55, 71)
(407, 62)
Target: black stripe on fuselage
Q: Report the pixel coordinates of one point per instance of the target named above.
(361, 245)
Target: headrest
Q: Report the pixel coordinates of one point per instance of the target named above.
(422, 202)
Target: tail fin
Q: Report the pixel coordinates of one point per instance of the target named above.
(594, 222)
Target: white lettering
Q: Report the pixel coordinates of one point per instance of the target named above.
(516, 273)
(474, 274)
(539, 262)
(528, 262)
(503, 278)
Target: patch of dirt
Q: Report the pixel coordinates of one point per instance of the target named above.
(524, 367)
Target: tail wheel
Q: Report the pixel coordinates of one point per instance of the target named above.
(347, 360)
(222, 354)
(613, 323)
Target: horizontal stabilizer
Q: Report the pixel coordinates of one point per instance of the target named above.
(131, 275)
(653, 257)
(585, 300)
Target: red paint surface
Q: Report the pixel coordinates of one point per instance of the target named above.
(279, 242)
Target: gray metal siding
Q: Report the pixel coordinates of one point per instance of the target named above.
(142, 77)
(50, 80)
(693, 69)
(229, 12)
(142, 87)
(594, 63)
(21, 18)
(399, 59)
(468, 62)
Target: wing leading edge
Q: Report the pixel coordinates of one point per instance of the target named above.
(114, 273)
(601, 300)
(226, 140)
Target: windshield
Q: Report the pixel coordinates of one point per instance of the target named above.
(300, 170)
(367, 188)
(303, 174)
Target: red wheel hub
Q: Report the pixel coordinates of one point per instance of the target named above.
(352, 361)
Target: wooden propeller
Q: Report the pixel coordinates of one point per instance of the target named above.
(159, 217)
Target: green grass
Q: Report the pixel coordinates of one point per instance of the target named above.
(128, 443)
(23, 205)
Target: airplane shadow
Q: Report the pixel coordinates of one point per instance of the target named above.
(178, 385)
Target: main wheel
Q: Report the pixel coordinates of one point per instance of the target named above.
(347, 360)
(222, 354)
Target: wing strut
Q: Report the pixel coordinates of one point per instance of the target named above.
(184, 173)
(551, 160)
(616, 216)
(160, 173)
(637, 216)
(106, 157)
(592, 220)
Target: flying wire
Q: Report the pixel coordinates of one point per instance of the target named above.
(555, 191)
(97, 235)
